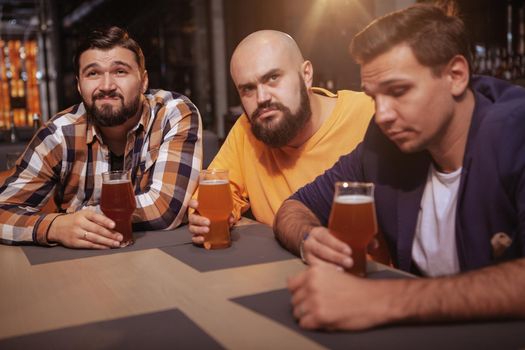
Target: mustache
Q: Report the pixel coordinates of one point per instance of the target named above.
(110, 94)
(272, 105)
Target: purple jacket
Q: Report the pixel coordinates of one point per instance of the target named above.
(492, 189)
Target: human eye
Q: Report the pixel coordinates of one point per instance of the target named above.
(121, 72)
(397, 91)
(92, 73)
(246, 90)
(273, 78)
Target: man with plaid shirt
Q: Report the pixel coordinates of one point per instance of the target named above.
(155, 135)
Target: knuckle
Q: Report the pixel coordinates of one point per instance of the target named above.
(315, 232)
(309, 250)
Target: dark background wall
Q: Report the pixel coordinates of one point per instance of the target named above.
(177, 37)
(165, 29)
(323, 30)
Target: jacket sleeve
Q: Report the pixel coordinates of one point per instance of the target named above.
(318, 195)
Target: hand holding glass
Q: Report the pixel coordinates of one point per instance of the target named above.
(117, 202)
(215, 203)
(353, 220)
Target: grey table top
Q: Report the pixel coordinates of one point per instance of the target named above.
(166, 292)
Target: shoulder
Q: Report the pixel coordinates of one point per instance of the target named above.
(240, 130)
(65, 128)
(70, 120)
(358, 104)
(498, 126)
(350, 94)
(499, 104)
(171, 101)
(240, 137)
(355, 96)
(355, 109)
(497, 96)
(72, 115)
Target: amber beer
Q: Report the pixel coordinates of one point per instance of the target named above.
(215, 203)
(353, 220)
(117, 202)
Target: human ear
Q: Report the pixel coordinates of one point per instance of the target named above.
(307, 71)
(78, 87)
(458, 73)
(145, 81)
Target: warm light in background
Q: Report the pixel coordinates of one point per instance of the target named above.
(341, 13)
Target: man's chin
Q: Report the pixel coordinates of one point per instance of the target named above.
(109, 111)
(409, 147)
(269, 122)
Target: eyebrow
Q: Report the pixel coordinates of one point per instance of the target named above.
(384, 83)
(115, 63)
(265, 77)
(245, 86)
(271, 72)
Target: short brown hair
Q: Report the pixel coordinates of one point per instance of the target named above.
(106, 39)
(434, 36)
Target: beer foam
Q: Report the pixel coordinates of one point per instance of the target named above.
(117, 181)
(353, 199)
(213, 182)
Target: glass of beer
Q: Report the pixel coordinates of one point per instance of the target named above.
(117, 202)
(215, 203)
(353, 220)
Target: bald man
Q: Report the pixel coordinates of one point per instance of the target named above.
(290, 131)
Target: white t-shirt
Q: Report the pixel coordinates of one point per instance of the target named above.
(434, 249)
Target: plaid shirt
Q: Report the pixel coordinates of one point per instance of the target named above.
(67, 157)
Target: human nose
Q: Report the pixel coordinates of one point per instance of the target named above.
(384, 112)
(107, 83)
(262, 94)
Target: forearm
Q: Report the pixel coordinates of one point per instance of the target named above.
(20, 205)
(159, 211)
(492, 292)
(25, 226)
(169, 183)
(292, 221)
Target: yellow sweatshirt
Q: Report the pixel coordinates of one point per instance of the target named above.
(262, 177)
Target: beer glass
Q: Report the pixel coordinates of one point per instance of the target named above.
(215, 203)
(353, 220)
(117, 202)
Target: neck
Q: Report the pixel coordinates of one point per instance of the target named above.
(322, 106)
(115, 137)
(449, 151)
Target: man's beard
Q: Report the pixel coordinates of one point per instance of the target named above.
(279, 134)
(108, 115)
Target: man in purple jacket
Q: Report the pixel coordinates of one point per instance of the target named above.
(446, 153)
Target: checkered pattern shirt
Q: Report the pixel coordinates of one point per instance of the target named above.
(66, 157)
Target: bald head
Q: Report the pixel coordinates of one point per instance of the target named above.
(263, 50)
(273, 81)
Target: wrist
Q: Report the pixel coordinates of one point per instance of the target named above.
(52, 230)
(400, 300)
